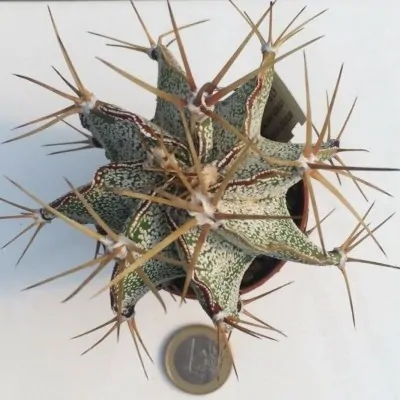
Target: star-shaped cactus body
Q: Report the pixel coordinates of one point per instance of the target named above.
(196, 192)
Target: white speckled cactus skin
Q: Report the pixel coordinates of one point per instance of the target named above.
(195, 191)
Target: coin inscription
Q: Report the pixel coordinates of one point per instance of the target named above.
(192, 361)
(196, 359)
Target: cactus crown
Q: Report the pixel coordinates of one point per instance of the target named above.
(196, 192)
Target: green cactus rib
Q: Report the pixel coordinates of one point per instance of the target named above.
(147, 226)
(194, 192)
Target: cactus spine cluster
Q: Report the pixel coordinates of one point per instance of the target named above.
(195, 192)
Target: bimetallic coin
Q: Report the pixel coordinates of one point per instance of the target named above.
(191, 360)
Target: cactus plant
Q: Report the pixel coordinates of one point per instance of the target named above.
(196, 192)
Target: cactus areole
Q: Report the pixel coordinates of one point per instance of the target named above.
(196, 193)
(263, 267)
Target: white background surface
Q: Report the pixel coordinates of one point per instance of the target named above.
(323, 358)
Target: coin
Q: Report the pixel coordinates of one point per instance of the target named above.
(191, 360)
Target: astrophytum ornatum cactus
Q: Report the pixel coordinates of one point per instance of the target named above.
(196, 191)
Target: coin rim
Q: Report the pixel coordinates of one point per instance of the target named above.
(175, 341)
